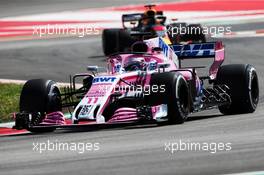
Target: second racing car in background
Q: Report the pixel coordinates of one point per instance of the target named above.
(152, 22)
(148, 84)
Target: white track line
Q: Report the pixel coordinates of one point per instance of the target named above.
(107, 17)
(7, 125)
(249, 173)
(242, 34)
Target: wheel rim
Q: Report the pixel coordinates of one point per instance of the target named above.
(54, 100)
(254, 90)
(183, 98)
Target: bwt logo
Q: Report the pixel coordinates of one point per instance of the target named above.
(104, 79)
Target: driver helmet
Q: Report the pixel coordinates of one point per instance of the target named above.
(150, 13)
(149, 17)
(135, 63)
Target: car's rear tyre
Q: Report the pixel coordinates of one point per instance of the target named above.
(176, 95)
(110, 41)
(116, 40)
(242, 80)
(40, 96)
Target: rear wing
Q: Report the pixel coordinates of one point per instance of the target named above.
(202, 50)
(134, 17)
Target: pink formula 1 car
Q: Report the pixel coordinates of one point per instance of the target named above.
(145, 85)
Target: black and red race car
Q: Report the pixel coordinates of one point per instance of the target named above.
(152, 22)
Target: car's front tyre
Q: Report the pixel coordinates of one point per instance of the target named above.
(40, 96)
(176, 95)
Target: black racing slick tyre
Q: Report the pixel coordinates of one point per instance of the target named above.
(116, 40)
(242, 81)
(175, 95)
(40, 96)
(110, 41)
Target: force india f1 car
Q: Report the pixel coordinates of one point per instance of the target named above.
(146, 85)
(152, 22)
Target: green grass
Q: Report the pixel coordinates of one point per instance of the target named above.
(9, 99)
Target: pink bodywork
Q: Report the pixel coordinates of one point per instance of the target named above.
(115, 65)
(218, 59)
(54, 118)
(124, 115)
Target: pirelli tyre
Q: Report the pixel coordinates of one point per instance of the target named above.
(116, 40)
(173, 91)
(40, 96)
(242, 81)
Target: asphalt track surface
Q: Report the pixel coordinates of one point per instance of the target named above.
(128, 150)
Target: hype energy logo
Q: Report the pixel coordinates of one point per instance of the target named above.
(104, 79)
